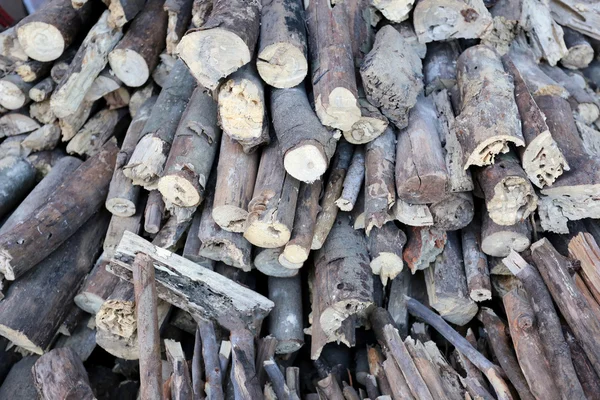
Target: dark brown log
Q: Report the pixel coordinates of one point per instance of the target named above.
(423, 246)
(117, 314)
(439, 66)
(211, 360)
(476, 265)
(179, 15)
(392, 67)
(380, 156)
(454, 211)
(71, 204)
(286, 319)
(353, 181)
(74, 317)
(19, 382)
(498, 240)
(198, 368)
(385, 246)
(181, 382)
(306, 145)
(60, 375)
(42, 90)
(584, 248)
(96, 288)
(82, 340)
(243, 372)
(585, 371)
(223, 43)
(265, 350)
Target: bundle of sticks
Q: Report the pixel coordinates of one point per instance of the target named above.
(381, 199)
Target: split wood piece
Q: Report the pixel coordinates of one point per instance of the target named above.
(90, 60)
(123, 11)
(19, 383)
(426, 368)
(545, 34)
(306, 145)
(58, 277)
(282, 50)
(548, 325)
(136, 55)
(453, 212)
(118, 225)
(394, 10)
(439, 66)
(117, 314)
(585, 372)
(61, 65)
(385, 246)
(459, 179)
(230, 304)
(37, 197)
(572, 197)
(46, 34)
(42, 90)
(585, 19)
(106, 82)
(265, 350)
(542, 160)
(297, 250)
(33, 71)
(411, 214)
(123, 195)
(423, 246)
(171, 233)
(333, 189)
(451, 380)
(353, 181)
(60, 375)
(154, 212)
(224, 43)
(474, 382)
(97, 130)
(96, 288)
(268, 262)
(195, 146)
(580, 52)
(72, 203)
(528, 346)
(329, 388)
(148, 328)
(396, 379)
(277, 380)
(41, 111)
(476, 266)
(17, 178)
(71, 124)
(292, 378)
(10, 47)
(201, 10)
(14, 92)
(509, 196)
(179, 15)
(16, 123)
(243, 109)
(584, 248)
(498, 338)
(11, 147)
(243, 371)
(485, 92)
(576, 310)
(285, 321)
(210, 356)
(499, 240)
(342, 279)
(447, 284)
(585, 291)
(181, 381)
(140, 96)
(148, 160)
(375, 359)
(421, 175)
(236, 176)
(450, 19)
(392, 67)
(401, 286)
(160, 75)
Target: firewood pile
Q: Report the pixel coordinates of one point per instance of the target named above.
(349, 199)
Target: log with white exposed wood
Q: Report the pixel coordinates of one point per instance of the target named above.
(385, 246)
(476, 265)
(285, 321)
(423, 246)
(447, 284)
(11, 146)
(154, 213)
(150, 155)
(333, 188)
(268, 262)
(545, 34)
(454, 211)
(45, 138)
(16, 123)
(580, 52)
(485, 92)
(98, 130)
(371, 124)
(509, 196)
(411, 214)
(179, 15)
(17, 178)
(46, 34)
(201, 10)
(197, 139)
(58, 277)
(33, 71)
(450, 19)
(392, 66)
(72, 203)
(140, 96)
(499, 240)
(44, 161)
(230, 304)
(160, 75)
(96, 288)
(243, 109)
(136, 55)
(394, 10)
(421, 174)
(305, 144)
(42, 112)
(123, 11)
(172, 232)
(117, 314)
(225, 41)
(10, 47)
(42, 90)
(60, 375)
(380, 156)
(71, 124)
(505, 25)
(90, 60)
(583, 17)
(181, 381)
(61, 65)
(353, 181)
(105, 83)
(282, 50)
(14, 92)
(439, 66)
(118, 225)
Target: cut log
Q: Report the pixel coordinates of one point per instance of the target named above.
(10, 47)
(191, 249)
(584, 248)
(17, 178)
(392, 67)
(268, 262)
(44, 161)
(393, 10)
(98, 130)
(371, 124)
(379, 179)
(423, 246)
(194, 149)
(285, 321)
(425, 366)
(272, 208)
(353, 181)
(11, 147)
(243, 371)
(33, 71)
(90, 60)
(154, 212)
(306, 145)
(499, 240)
(439, 66)
(160, 75)
(60, 375)
(46, 34)
(223, 43)
(42, 90)
(72, 204)
(96, 288)
(580, 52)
(61, 65)
(172, 232)
(476, 266)
(150, 155)
(105, 83)
(16, 123)
(453, 212)
(583, 17)
(179, 15)
(118, 225)
(545, 34)
(58, 278)
(117, 314)
(140, 96)
(333, 188)
(14, 92)
(485, 92)
(70, 125)
(136, 55)
(42, 112)
(450, 19)
(385, 246)
(123, 11)
(411, 214)
(210, 355)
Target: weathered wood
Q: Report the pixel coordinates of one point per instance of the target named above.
(161, 73)
(105, 83)
(379, 182)
(584, 248)
(584, 19)
(14, 92)
(329, 388)
(60, 375)
(423, 246)
(17, 178)
(392, 67)
(10, 47)
(123, 11)
(375, 359)
(476, 266)
(16, 123)
(385, 246)
(33, 71)
(201, 10)
(305, 144)
(400, 287)
(285, 321)
(580, 52)
(499, 240)
(96, 288)
(396, 379)
(97, 130)
(72, 204)
(353, 181)
(11, 147)
(71, 124)
(371, 123)
(585, 372)
(243, 371)
(139, 98)
(118, 225)
(411, 214)
(44, 161)
(223, 43)
(451, 380)
(268, 262)
(154, 212)
(439, 66)
(426, 368)
(117, 314)
(45, 138)
(61, 65)
(454, 211)
(210, 356)
(179, 15)
(545, 34)
(171, 233)
(42, 112)
(42, 90)
(181, 382)
(90, 60)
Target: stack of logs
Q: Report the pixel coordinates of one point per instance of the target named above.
(418, 182)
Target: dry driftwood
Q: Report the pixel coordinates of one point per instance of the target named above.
(60, 375)
(96, 288)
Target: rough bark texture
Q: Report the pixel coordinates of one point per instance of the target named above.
(385, 248)
(243, 371)
(96, 288)
(123, 11)
(380, 195)
(476, 266)
(17, 178)
(353, 181)
(423, 246)
(60, 375)
(584, 248)
(285, 321)
(454, 211)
